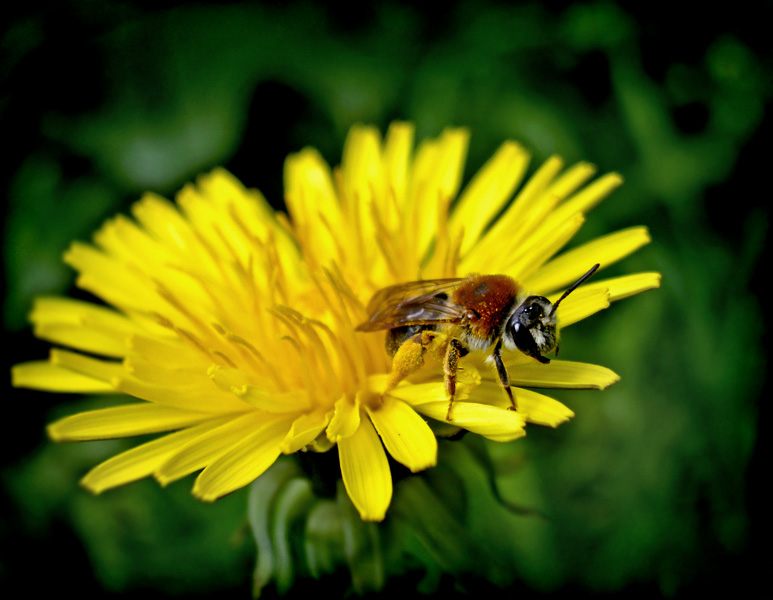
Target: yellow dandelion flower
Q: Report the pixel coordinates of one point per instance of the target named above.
(235, 326)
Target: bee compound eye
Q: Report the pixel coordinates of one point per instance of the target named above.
(531, 314)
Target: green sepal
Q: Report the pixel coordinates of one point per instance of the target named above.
(362, 547)
(323, 542)
(260, 509)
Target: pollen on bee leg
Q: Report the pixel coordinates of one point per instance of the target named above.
(450, 367)
(409, 358)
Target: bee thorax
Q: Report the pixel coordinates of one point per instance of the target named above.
(474, 341)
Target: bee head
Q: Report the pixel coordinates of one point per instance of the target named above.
(532, 328)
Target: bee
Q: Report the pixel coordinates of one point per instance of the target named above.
(475, 313)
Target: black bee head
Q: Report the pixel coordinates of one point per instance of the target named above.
(532, 328)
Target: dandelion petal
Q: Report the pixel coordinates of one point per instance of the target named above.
(243, 463)
(561, 272)
(541, 409)
(563, 374)
(629, 285)
(538, 408)
(123, 421)
(143, 460)
(43, 375)
(206, 448)
(581, 304)
(405, 434)
(365, 472)
(421, 393)
(346, 419)
(305, 430)
(493, 422)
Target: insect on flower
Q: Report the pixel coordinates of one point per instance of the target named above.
(451, 317)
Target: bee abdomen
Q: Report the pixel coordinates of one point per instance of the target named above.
(396, 336)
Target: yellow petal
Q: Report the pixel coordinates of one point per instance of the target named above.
(204, 397)
(398, 147)
(263, 399)
(305, 430)
(508, 232)
(43, 375)
(584, 200)
(308, 169)
(564, 270)
(88, 339)
(487, 192)
(141, 461)
(541, 409)
(244, 463)
(223, 188)
(110, 280)
(562, 374)
(103, 370)
(538, 408)
(570, 180)
(164, 222)
(580, 304)
(123, 421)
(123, 239)
(52, 310)
(436, 178)
(171, 352)
(313, 204)
(539, 248)
(346, 419)
(628, 285)
(421, 393)
(492, 422)
(211, 217)
(362, 175)
(405, 434)
(155, 372)
(209, 446)
(227, 378)
(365, 471)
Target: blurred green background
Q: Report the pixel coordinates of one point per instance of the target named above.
(653, 488)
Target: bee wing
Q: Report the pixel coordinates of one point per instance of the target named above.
(412, 303)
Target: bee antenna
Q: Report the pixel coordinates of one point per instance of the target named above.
(574, 286)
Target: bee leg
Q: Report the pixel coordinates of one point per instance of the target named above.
(454, 352)
(504, 378)
(409, 357)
